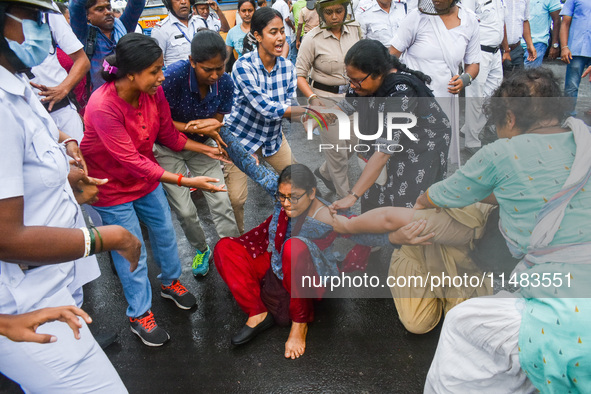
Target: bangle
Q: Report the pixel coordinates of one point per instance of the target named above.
(564, 46)
(178, 181)
(65, 142)
(92, 242)
(99, 236)
(351, 192)
(86, 241)
(312, 96)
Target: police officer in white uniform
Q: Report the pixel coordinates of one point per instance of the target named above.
(491, 14)
(204, 19)
(39, 222)
(173, 33)
(379, 19)
(54, 83)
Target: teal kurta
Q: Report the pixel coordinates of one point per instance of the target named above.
(524, 172)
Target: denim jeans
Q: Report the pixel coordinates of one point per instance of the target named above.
(540, 50)
(293, 51)
(154, 212)
(574, 70)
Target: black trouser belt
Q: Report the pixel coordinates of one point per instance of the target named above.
(326, 88)
(59, 105)
(486, 48)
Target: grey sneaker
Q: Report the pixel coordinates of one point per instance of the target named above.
(146, 328)
(179, 294)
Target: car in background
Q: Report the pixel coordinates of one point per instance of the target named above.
(154, 12)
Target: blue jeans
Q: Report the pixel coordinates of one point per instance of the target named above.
(540, 50)
(574, 70)
(293, 51)
(153, 210)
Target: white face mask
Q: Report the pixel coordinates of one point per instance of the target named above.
(37, 42)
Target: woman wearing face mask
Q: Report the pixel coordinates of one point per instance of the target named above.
(124, 118)
(436, 39)
(45, 249)
(379, 80)
(265, 87)
(235, 37)
(321, 58)
(280, 251)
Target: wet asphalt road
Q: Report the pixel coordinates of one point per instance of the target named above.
(354, 344)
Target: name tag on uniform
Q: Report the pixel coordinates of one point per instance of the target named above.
(179, 36)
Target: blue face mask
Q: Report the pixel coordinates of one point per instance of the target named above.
(37, 42)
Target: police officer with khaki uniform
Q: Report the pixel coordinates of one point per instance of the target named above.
(320, 69)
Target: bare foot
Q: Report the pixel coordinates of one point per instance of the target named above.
(253, 321)
(296, 343)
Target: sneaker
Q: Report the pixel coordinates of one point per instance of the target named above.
(201, 262)
(179, 294)
(146, 328)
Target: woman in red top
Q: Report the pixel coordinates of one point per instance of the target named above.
(123, 119)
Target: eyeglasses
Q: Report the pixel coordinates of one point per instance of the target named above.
(34, 15)
(355, 83)
(292, 199)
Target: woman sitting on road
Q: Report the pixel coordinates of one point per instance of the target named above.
(539, 172)
(279, 251)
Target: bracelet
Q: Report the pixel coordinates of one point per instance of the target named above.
(92, 227)
(312, 96)
(86, 241)
(65, 142)
(178, 181)
(351, 192)
(92, 242)
(565, 46)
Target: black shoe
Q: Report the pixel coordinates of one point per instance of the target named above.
(327, 182)
(247, 333)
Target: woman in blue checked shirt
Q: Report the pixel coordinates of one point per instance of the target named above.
(264, 89)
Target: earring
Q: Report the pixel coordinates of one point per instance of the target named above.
(131, 78)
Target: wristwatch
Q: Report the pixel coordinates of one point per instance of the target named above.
(555, 45)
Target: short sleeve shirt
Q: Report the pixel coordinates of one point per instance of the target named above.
(516, 12)
(283, 8)
(540, 21)
(182, 93)
(50, 72)
(212, 23)
(377, 24)
(174, 39)
(579, 35)
(235, 39)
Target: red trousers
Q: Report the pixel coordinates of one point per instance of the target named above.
(243, 274)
